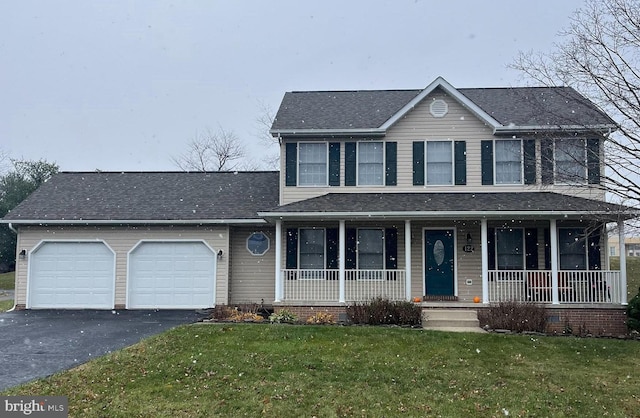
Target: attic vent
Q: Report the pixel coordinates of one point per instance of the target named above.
(439, 108)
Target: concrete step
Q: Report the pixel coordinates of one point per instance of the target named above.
(463, 320)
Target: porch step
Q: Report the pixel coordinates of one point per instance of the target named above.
(458, 320)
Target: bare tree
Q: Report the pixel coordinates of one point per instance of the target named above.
(263, 124)
(599, 56)
(212, 151)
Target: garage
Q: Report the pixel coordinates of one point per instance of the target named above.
(71, 275)
(171, 275)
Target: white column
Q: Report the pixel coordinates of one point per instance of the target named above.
(407, 257)
(623, 264)
(553, 234)
(278, 276)
(342, 238)
(484, 239)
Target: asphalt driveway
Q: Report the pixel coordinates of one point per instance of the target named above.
(39, 343)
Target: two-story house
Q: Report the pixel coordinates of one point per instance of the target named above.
(458, 197)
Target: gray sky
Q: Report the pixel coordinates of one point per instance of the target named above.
(124, 85)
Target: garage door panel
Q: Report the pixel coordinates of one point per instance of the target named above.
(178, 275)
(72, 275)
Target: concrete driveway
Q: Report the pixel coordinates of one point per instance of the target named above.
(39, 343)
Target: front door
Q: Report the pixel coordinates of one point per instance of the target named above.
(439, 262)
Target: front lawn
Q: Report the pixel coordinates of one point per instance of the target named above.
(8, 280)
(5, 305)
(282, 370)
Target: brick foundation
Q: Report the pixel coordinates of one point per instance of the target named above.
(583, 321)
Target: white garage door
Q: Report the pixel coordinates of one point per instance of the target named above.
(71, 275)
(171, 275)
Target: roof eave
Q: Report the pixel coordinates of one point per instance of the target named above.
(327, 132)
(132, 221)
(509, 129)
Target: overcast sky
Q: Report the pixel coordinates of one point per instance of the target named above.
(124, 85)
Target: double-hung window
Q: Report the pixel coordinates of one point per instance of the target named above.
(370, 163)
(510, 249)
(370, 249)
(311, 248)
(572, 248)
(508, 161)
(439, 162)
(312, 164)
(570, 158)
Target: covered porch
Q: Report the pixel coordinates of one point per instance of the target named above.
(547, 274)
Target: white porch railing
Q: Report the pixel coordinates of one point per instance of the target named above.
(574, 286)
(360, 285)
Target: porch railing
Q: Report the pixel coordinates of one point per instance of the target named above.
(360, 285)
(574, 286)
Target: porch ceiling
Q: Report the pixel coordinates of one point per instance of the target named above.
(451, 205)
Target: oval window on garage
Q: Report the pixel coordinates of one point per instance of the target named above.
(258, 243)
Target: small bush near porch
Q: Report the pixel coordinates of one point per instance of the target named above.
(303, 371)
(380, 311)
(514, 316)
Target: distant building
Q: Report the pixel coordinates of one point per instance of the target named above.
(631, 245)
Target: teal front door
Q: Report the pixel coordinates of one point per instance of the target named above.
(439, 262)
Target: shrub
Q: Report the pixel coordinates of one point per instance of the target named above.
(633, 313)
(380, 311)
(283, 316)
(240, 313)
(321, 318)
(514, 316)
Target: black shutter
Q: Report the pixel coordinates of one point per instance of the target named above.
(546, 156)
(391, 248)
(593, 160)
(529, 148)
(460, 160)
(531, 248)
(350, 164)
(332, 248)
(491, 248)
(350, 250)
(418, 163)
(594, 250)
(292, 248)
(391, 164)
(334, 164)
(547, 249)
(486, 158)
(291, 163)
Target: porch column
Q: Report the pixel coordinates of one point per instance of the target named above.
(407, 257)
(278, 276)
(484, 239)
(623, 264)
(341, 260)
(553, 233)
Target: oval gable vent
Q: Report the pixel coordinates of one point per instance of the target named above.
(439, 108)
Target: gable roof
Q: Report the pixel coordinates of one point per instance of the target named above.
(149, 197)
(372, 112)
(450, 205)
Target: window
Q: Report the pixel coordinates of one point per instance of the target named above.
(370, 164)
(510, 249)
(508, 161)
(312, 164)
(439, 162)
(570, 158)
(258, 243)
(311, 248)
(370, 249)
(573, 248)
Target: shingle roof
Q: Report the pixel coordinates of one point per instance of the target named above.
(369, 109)
(140, 196)
(430, 204)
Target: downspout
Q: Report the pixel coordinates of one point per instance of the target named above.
(15, 231)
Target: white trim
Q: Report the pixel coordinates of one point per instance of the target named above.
(384, 161)
(623, 263)
(329, 131)
(53, 241)
(342, 234)
(455, 257)
(484, 238)
(495, 171)
(143, 241)
(42, 222)
(553, 238)
(278, 266)
(407, 257)
(535, 128)
(326, 163)
(453, 163)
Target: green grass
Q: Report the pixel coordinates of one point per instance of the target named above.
(330, 371)
(8, 280)
(5, 305)
(633, 274)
